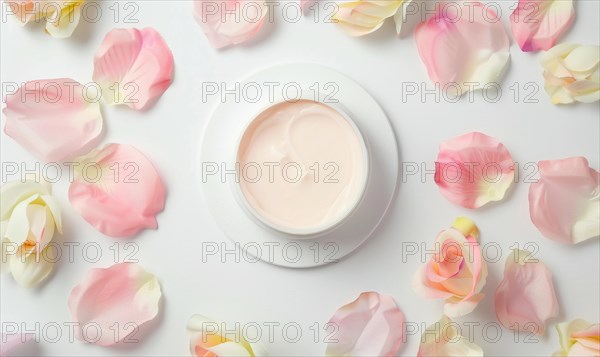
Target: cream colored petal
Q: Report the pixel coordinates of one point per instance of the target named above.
(62, 24)
(31, 270)
(14, 192)
(230, 349)
(583, 58)
(559, 51)
(19, 225)
(400, 16)
(54, 210)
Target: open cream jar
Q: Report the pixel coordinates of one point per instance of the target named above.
(302, 167)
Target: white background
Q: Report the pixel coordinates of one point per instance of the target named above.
(258, 292)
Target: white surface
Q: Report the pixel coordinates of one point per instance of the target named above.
(220, 142)
(257, 292)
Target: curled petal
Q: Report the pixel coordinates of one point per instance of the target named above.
(457, 272)
(11, 342)
(62, 21)
(578, 338)
(564, 204)
(54, 119)
(463, 53)
(62, 17)
(117, 190)
(526, 298)
(572, 73)
(444, 339)
(361, 17)
(473, 169)
(371, 325)
(133, 67)
(29, 270)
(209, 338)
(112, 303)
(537, 24)
(229, 22)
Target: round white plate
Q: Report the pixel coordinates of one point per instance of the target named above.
(217, 152)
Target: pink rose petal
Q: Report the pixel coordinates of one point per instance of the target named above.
(133, 67)
(564, 204)
(463, 52)
(473, 169)
(372, 325)
(229, 22)
(457, 271)
(54, 119)
(526, 298)
(111, 304)
(537, 24)
(11, 342)
(117, 190)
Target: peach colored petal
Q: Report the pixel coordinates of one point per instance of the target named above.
(525, 298)
(463, 53)
(371, 325)
(112, 303)
(229, 22)
(117, 190)
(578, 338)
(473, 169)
(537, 24)
(54, 119)
(211, 339)
(133, 67)
(457, 272)
(564, 204)
(443, 339)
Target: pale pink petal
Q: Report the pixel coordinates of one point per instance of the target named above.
(117, 190)
(305, 4)
(229, 22)
(461, 52)
(10, 342)
(525, 299)
(133, 67)
(54, 119)
(578, 338)
(111, 304)
(473, 169)
(443, 339)
(372, 325)
(537, 24)
(564, 204)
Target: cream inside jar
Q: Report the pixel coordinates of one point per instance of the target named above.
(302, 167)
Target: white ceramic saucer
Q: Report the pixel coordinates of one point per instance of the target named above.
(218, 147)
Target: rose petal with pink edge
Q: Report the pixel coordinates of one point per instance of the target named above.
(525, 298)
(54, 119)
(229, 22)
(372, 325)
(133, 67)
(463, 53)
(11, 342)
(443, 339)
(112, 303)
(564, 204)
(578, 338)
(117, 190)
(473, 169)
(537, 24)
